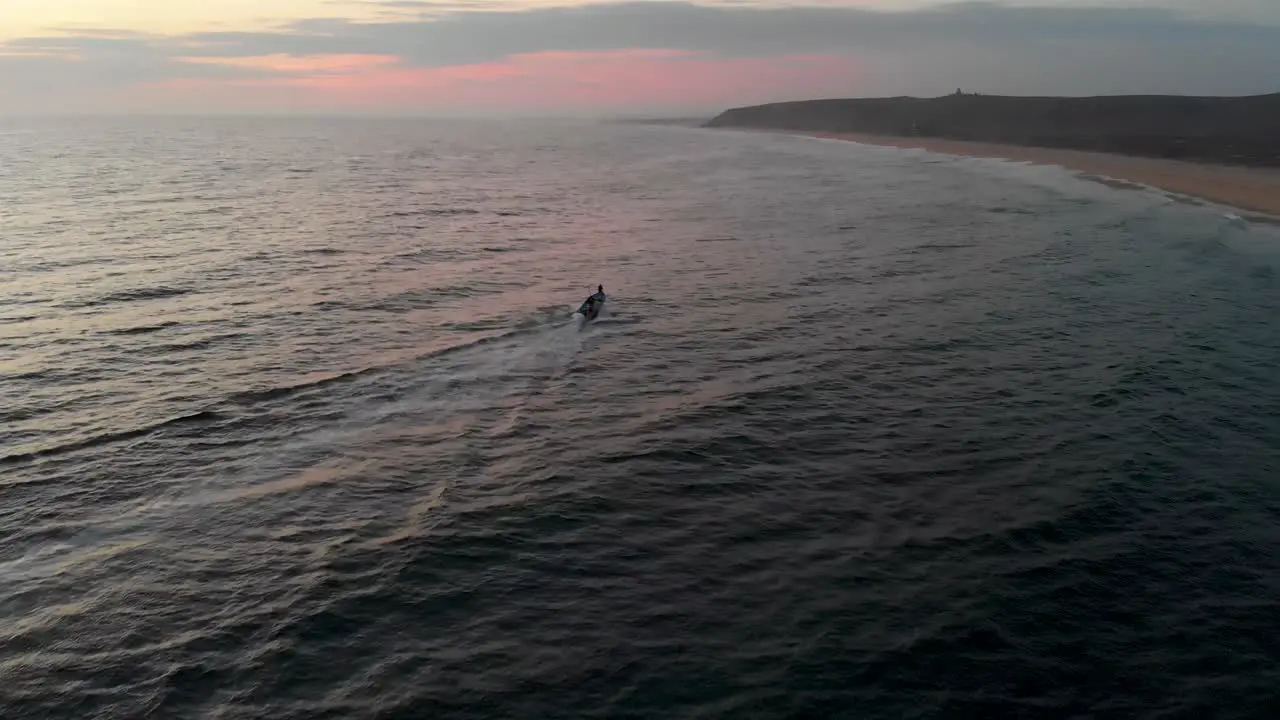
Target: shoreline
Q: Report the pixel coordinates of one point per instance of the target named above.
(1255, 191)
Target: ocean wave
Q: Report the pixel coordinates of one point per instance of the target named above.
(203, 416)
(65, 264)
(143, 329)
(132, 295)
(431, 256)
(432, 212)
(252, 397)
(204, 343)
(407, 300)
(15, 319)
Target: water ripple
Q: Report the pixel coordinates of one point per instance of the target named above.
(301, 427)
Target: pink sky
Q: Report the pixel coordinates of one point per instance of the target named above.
(545, 82)
(564, 57)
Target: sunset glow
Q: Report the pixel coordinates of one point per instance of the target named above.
(24, 18)
(540, 82)
(540, 56)
(304, 65)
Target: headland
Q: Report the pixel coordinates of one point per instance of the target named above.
(1221, 149)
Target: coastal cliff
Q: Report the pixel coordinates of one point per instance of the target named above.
(1231, 130)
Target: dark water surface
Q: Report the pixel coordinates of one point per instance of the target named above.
(294, 424)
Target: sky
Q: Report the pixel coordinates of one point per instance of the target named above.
(595, 57)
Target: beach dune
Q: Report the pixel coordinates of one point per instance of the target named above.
(1222, 150)
(1255, 190)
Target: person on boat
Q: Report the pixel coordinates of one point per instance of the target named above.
(593, 300)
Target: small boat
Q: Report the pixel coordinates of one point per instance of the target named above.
(590, 308)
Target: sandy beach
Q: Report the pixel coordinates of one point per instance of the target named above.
(1248, 189)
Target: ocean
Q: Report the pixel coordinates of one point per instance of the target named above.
(295, 422)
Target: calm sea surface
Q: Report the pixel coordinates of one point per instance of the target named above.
(295, 423)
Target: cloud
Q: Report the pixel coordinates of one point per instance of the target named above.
(748, 31)
(988, 47)
(88, 72)
(294, 65)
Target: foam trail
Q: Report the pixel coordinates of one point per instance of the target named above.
(455, 386)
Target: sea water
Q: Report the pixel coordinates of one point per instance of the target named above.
(296, 422)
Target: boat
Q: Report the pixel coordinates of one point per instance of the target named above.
(590, 308)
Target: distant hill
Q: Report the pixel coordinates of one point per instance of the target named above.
(1235, 130)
